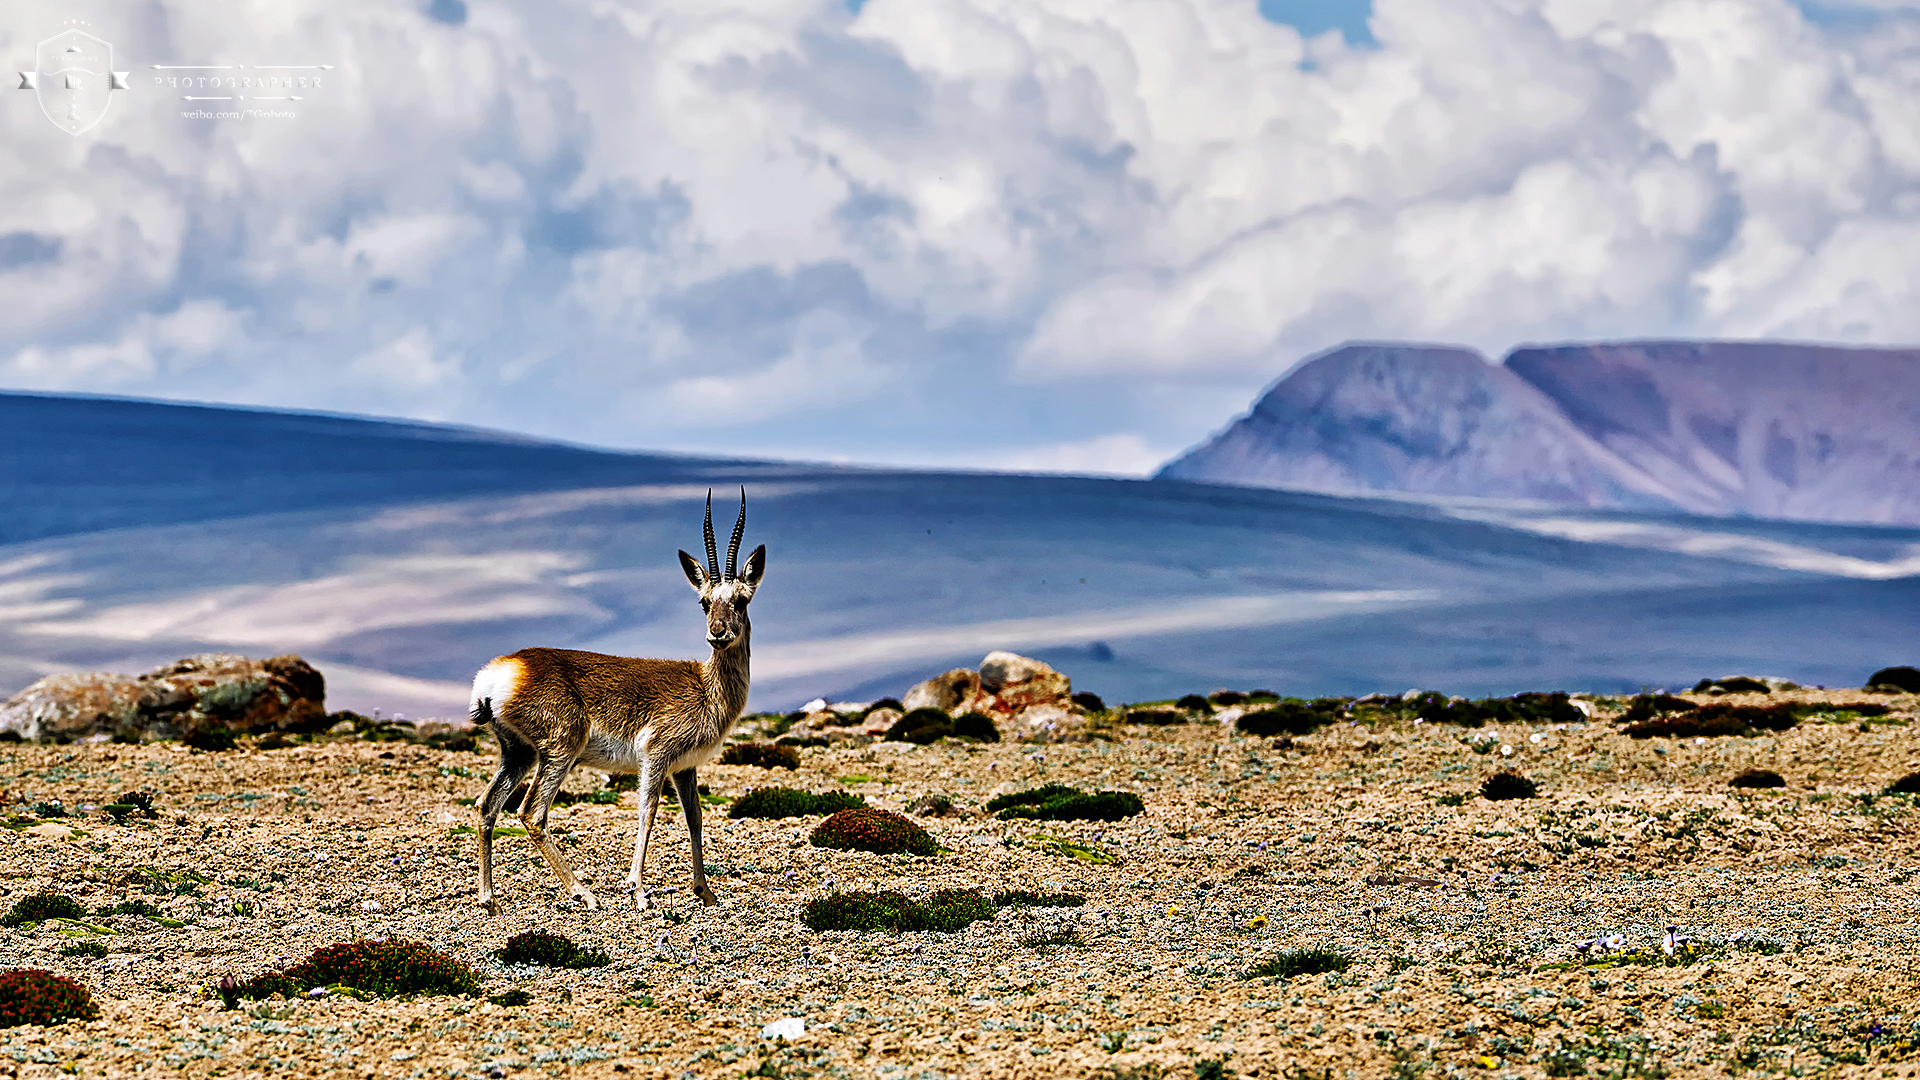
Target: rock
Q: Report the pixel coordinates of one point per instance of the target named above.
(211, 690)
(787, 1027)
(1019, 681)
(946, 692)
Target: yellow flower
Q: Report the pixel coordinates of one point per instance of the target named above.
(1486, 1062)
(1256, 922)
(1172, 910)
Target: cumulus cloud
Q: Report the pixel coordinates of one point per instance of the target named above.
(1043, 229)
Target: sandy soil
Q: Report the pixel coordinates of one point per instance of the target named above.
(1465, 961)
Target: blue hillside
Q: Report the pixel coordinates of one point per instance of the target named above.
(399, 557)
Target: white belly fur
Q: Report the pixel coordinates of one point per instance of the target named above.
(609, 754)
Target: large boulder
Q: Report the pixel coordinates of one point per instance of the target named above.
(1025, 698)
(211, 690)
(947, 692)
(1018, 682)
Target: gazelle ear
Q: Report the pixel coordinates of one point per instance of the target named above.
(696, 574)
(756, 565)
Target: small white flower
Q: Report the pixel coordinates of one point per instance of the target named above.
(369, 905)
(1536, 738)
(1506, 751)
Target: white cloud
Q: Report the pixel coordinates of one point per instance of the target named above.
(688, 223)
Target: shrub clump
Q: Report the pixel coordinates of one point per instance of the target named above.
(94, 949)
(1906, 785)
(1286, 718)
(925, 726)
(1758, 778)
(1528, 708)
(137, 803)
(1646, 706)
(1157, 717)
(390, 968)
(1290, 962)
(765, 755)
(1029, 898)
(947, 909)
(43, 906)
(1058, 802)
(786, 802)
(1713, 720)
(1194, 703)
(130, 907)
(1508, 784)
(1089, 701)
(1736, 684)
(1896, 678)
(33, 996)
(550, 950)
(213, 738)
(882, 832)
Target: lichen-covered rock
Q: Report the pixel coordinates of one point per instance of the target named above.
(1023, 697)
(944, 692)
(1018, 681)
(209, 691)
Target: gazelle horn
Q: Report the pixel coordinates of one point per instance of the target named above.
(739, 527)
(713, 557)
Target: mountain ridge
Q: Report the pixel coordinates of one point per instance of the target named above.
(1761, 429)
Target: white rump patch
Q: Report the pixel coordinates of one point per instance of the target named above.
(497, 682)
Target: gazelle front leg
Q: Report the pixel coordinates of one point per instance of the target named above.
(687, 787)
(650, 784)
(546, 785)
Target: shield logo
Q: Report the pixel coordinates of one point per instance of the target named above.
(74, 79)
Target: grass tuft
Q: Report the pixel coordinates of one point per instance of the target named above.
(42, 906)
(1058, 802)
(948, 910)
(786, 802)
(764, 755)
(550, 950)
(1291, 962)
(1508, 784)
(1758, 778)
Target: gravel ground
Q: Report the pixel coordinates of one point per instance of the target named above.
(1461, 919)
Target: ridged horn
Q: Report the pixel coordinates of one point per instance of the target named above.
(713, 557)
(739, 528)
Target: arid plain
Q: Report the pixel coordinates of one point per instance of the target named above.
(1460, 915)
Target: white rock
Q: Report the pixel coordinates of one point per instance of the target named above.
(52, 830)
(818, 704)
(788, 1027)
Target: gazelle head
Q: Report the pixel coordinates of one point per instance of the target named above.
(724, 597)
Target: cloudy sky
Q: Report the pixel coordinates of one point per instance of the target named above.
(1047, 234)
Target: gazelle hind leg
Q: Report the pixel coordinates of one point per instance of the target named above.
(687, 786)
(650, 784)
(516, 758)
(533, 813)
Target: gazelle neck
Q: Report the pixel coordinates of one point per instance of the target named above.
(727, 678)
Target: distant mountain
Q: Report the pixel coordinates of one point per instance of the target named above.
(399, 557)
(1801, 432)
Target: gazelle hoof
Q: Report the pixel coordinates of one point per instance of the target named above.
(706, 896)
(587, 899)
(490, 906)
